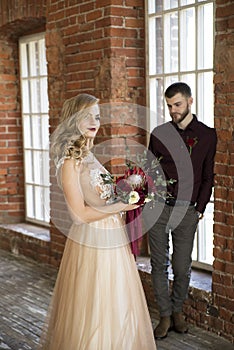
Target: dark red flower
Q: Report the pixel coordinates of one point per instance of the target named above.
(191, 142)
(122, 185)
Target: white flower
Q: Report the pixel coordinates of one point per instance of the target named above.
(133, 197)
(134, 179)
(149, 198)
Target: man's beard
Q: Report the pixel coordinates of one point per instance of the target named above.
(182, 115)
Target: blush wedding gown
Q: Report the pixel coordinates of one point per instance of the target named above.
(98, 301)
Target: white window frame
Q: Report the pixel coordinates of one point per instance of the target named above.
(198, 74)
(35, 123)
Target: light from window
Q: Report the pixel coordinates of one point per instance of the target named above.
(33, 70)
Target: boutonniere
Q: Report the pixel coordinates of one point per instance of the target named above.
(191, 142)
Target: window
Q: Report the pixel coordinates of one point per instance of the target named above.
(35, 121)
(180, 48)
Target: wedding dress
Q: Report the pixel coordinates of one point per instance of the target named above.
(98, 301)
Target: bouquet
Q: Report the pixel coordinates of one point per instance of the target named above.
(140, 184)
(137, 185)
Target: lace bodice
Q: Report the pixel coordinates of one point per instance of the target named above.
(105, 190)
(103, 233)
(93, 187)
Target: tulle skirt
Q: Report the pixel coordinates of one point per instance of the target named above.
(98, 301)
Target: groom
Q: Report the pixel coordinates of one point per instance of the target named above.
(187, 148)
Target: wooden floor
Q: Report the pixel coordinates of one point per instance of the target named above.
(25, 291)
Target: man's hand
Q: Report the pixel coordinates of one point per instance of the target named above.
(200, 215)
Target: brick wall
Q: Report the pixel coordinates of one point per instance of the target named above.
(11, 177)
(223, 275)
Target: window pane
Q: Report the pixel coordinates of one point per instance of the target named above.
(156, 50)
(25, 96)
(34, 64)
(24, 61)
(45, 168)
(44, 131)
(187, 2)
(36, 131)
(170, 4)
(171, 42)
(205, 36)
(35, 95)
(27, 133)
(195, 248)
(168, 81)
(44, 105)
(206, 98)
(205, 236)
(29, 168)
(156, 102)
(190, 79)
(39, 207)
(42, 57)
(154, 6)
(30, 200)
(37, 167)
(187, 39)
(46, 203)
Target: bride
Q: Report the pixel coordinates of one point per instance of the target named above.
(98, 301)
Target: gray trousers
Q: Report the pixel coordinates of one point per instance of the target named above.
(182, 223)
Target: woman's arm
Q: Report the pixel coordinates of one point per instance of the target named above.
(79, 210)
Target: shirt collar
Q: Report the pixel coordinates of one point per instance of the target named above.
(191, 125)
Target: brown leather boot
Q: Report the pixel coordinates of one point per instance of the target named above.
(180, 325)
(162, 328)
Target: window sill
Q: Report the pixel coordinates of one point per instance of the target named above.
(200, 280)
(41, 233)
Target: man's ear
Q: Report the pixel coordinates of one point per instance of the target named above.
(190, 101)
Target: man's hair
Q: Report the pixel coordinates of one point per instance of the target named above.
(177, 88)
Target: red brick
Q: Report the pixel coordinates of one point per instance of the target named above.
(230, 23)
(103, 3)
(222, 229)
(97, 45)
(86, 7)
(121, 32)
(118, 11)
(134, 43)
(135, 3)
(117, 42)
(94, 15)
(229, 268)
(223, 254)
(134, 22)
(225, 11)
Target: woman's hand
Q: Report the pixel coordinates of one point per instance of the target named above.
(128, 207)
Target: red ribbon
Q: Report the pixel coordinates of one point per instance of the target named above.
(134, 228)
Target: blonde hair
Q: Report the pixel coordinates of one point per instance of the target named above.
(67, 140)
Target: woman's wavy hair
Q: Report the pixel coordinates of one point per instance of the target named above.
(67, 140)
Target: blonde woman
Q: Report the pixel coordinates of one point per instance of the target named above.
(98, 301)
